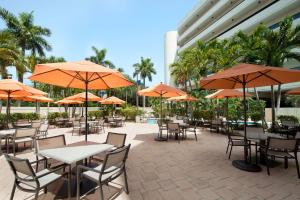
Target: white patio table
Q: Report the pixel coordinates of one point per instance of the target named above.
(73, 154)
(5, 134)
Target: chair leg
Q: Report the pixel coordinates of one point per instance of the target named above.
(13, 191)
(285, 162)
(78, 186)
(230, 152)
(196, 136)
(126, 183)
(267, 163)
(37, 164)
(227, 148)
(36, 196)
(101, 192)
(297, 165)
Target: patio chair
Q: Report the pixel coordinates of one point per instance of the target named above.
(77, 127)
(282, 148)
(35, 124)
(216, 124)
(174, 129)
(161, 126)
(23, 135)
(42, 131)
(53, 142)
(234, 141)
(253, 132)
(99, 126)
(192, 129)
(115, 139)
(284, 129)
(59, 122)
(29, 181)
(113, 166)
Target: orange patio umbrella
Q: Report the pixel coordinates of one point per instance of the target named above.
(37, 99)
(183, 98)
(112, 100)
(68, 101)
(163, 91)
(82, 97)
(82, 74)
(226, 93)
(249, 75)
(295, 91)
(12, 88)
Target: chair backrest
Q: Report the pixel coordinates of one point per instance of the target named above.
(297, 136)
(76, 123)
(22, 121)
(288, 123)
(25, 132)
(116, 139)
(280, 144)
(254, 132)
(35, 124)
(43, 127)
(10, 126)
(50, 142)
(115, 160)
(20, 166)
(173, 127)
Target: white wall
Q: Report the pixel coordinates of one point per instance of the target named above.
(282, 111)
(170, 54)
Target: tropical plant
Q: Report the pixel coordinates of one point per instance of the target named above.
(28, 36)
(145, 68)
(99, 58)
(8, 52)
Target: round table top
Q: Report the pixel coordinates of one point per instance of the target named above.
(7, 132)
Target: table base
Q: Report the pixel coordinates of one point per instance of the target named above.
(245, 166)
(160, 139)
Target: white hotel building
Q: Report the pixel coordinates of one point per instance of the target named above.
(219, 19)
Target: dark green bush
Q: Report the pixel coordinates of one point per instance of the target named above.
(97, 113)
(130, 112)
(288, 118)
(52, 115)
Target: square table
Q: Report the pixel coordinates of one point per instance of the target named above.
(72, 154)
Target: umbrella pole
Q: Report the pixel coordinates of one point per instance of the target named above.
(245, 165)
(8, 108)
(86, 109)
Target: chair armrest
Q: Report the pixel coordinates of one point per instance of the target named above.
(50, 172)
(38, 160)
(86, 168)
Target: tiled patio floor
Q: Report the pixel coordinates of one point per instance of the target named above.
(168, 170)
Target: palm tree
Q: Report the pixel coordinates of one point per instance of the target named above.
(8, 52)
(145, 69)
(136, 74)
(99, 58)
(28, 36)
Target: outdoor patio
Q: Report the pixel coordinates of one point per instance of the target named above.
(168, 170)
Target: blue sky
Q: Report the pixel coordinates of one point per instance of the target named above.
(128, 29)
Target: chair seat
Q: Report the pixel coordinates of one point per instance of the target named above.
(21, 140)
(94, 176)
(239, 143)
(279, 154)
(45, 180)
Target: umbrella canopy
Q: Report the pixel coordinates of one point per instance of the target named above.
(82, 74)
(12, 88)
(37, 99)
(249, 75)
(226, 93)
(112, 100)
(78, 75)
(82, 97)
(183, 98)
(68, 101)
(161, 90)
(295, 91)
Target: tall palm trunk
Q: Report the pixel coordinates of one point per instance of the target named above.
(137, 89)
(144, 98)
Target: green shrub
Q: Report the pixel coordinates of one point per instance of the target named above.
(97, 113)
(17, 116)
(130, 112)
(52, 115)
(255, 116)
(288, 118)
